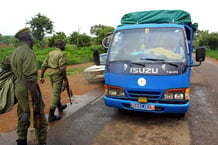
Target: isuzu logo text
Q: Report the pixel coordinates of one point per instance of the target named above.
(136, 70)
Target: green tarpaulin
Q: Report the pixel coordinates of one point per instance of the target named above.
(159, 16)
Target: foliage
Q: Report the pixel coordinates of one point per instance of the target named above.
(74, 55)
(95, 30)
(40, 25)
(5, 52)
(100, 31)
(56, 36)
(8, 40)
(80, 40)
(204, 38)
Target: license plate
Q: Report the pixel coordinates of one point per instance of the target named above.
(142, 106)
(142, 100)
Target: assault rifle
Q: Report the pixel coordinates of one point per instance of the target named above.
(69, 91)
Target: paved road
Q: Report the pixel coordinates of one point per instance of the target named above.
(78, 103)
(203, 113)
(97, 124)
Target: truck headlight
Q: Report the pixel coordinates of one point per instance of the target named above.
(114, 91)
(168, 96)
(177, 94)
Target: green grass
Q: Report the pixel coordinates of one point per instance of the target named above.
(74, 71)
(70, 72)
(5, 52)
(212, 53)
(74, 55)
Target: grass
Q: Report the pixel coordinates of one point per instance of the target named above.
(212, 53)
(74, 71)
(74, 55)
(70, 72)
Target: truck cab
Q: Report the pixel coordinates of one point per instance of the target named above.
(148, 64)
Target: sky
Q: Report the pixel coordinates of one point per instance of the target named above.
(70, 16)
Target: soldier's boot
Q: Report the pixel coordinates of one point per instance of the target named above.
(61, 107)
(21, 142)
(52, 116)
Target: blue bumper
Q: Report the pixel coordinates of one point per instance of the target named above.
(156, 107)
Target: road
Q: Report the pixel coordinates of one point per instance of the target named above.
(89, 122)
(203, 113)
(97, 124)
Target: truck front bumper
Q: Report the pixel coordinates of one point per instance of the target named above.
(146, 107)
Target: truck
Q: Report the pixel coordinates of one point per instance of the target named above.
(149, 62)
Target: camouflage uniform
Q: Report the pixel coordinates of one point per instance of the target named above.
(24, 66)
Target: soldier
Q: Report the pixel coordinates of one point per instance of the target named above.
(24, 67)
(56, 61)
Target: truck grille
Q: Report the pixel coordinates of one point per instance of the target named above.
(136, 94)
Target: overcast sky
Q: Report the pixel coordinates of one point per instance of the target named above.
(79, 15)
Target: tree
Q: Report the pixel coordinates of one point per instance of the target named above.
(1, 38)
(80, 40)
(100, 31)
(56, 36)
(40, 25)
(213, 41)
(204, 38)
(95, 30)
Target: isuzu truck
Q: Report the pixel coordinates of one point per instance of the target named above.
(149, 61)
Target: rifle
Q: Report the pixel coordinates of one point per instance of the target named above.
(69, 91)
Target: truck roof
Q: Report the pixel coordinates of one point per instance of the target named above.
(150, 25)
(159, 16)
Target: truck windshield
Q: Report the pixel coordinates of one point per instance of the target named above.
(167, 44)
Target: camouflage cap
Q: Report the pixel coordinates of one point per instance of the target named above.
(21, 32)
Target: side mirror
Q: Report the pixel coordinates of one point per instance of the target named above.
(106, 41)
(200, 54)
(96, 57)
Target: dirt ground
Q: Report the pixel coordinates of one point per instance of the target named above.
(78, 84)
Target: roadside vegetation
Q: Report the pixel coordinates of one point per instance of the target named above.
(74, 55)
(80, 47)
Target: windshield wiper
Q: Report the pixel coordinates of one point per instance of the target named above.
(159, 60)
(120, 61)
(129, 62)
(138, 63)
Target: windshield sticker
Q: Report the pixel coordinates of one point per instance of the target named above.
(142, 82)
(147, 30)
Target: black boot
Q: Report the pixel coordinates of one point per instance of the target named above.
(61, 107)
(21, 142)
(52, 116)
